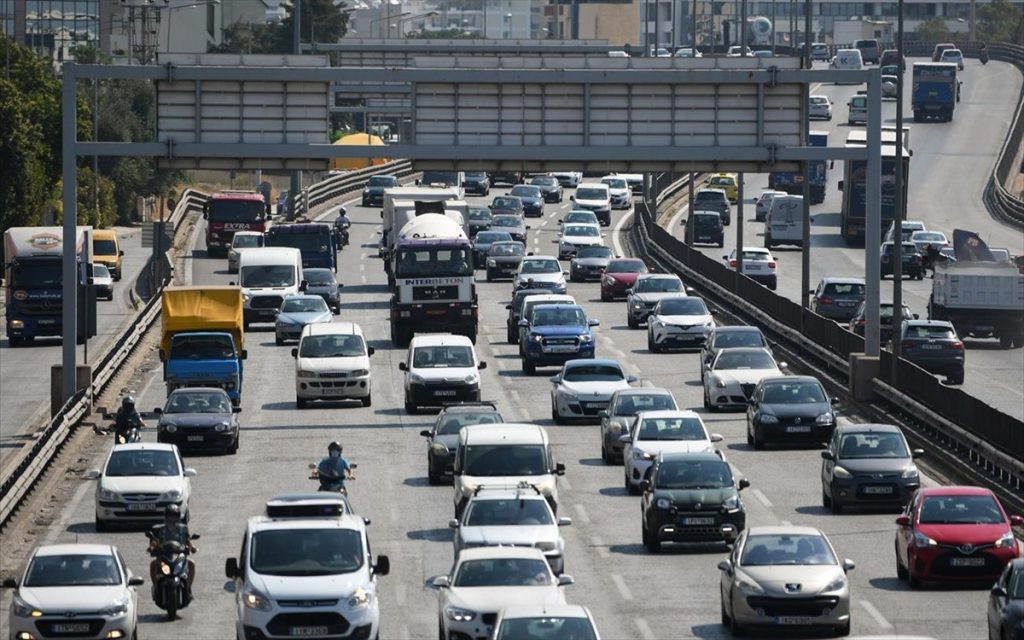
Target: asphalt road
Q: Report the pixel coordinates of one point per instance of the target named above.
(948, 171)
(25, 371)
(631, 593)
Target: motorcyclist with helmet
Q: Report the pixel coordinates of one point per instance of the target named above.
(341, 227)
(173, 529)
(334, 469)
(126, 419)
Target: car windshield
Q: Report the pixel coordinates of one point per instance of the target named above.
(506, 203)
(433, 263)
(506, 221)
(318, 277)
(504, 460)
(657, 285)
(722, 181)
(709, 195)
(671, 429)
(100, 271)
(450, 178)
(694, 475)
(705, 221)
(560, 317)
(73, 570)
(104, 247)
(850, 289)
(500, 249)
(503, 513)
(332, 346)
(525, 191)
(198, 402)
(201, 347)
(633, 403)
(382, 181)
(503, 572)
(626, 266)
(798, 549)
(594, 373)
(479, 214)
(594, 252)
(306, 552)
(487, 237)
(928, 236)
(142, 462)
(546, 628)
(615, 183)
(450, 424)
(579, 216)
(872, 445)
(439, 357)
(582, 230)
(315, 240)
(541, 266)
(977, 509)
(755, 256)
(545, 181)
(682, 307)
(303, 305)
(927, 332)
(819, 100)
(730, 339)
(591, 193)
(745, 360)
(268, 275)
(476, 175)
(793, 393)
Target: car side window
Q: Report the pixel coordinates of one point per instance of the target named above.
(120, 561)
(243, 561)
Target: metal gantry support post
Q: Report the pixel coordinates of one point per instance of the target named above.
(873, 214)
(295, 185)
(69, 302)
(739, 229)
(898, 209)
(687, 237)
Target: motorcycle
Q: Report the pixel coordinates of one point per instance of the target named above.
(333, 483)
(983, 57)
(131, 436)
(170, 591)
(341, 228)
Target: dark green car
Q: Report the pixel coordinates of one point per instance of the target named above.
(691, 497)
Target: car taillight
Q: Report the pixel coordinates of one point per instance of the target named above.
(825, 300)
(732, 263)
(862, 322)
(917, 259)
(771, 265)
(957, 345)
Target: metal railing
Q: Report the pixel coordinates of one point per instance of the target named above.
(338, 185)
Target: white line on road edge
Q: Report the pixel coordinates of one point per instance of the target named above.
(564, 481)
(874, 613)
(763, 498)
(620, 584)
(582, 513)
(602, 550)
(362, 267)
(616, 245)
(644, 628)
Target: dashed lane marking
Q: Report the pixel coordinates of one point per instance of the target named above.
(620, 584)
(762, 498)
(876, 615)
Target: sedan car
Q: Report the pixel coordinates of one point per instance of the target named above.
(588, 263)
(584, 387)
(568, 179)
(199, 418)
(662, 432)
(955, 56)
(758, 265)
(373, 192)
(623, 408)
(837, 298)
(515, 226)
(646, 292)
(549, 188)
(934, 346)
(619, 277)
(74, 591)
(819, 107)
(477, 182)
(506, 205)
(443, 437)
(485, 580)
(682, 322)
(954, 534)
(764, 202)
(540, 272)
(729, 338)
(733, 375)
(243, 241)
(322, 282)
(102, 281)
(482, 244)
(790, 410)
(691, 497)
(503, 259)
(922, 239)
(577, 236)
(504, 177)
(582, 216)
(785, 576)
(870, 465)
(1006, 603)
(532, 198)
(546, 623)
(295, 313)
(138, 481)
(479, 220)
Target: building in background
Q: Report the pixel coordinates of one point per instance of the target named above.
(53, 28)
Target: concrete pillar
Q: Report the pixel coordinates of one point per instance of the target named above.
(863, 369)
(83, 379)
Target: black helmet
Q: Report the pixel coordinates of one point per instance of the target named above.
(127, 401)
(172, 511)
(334, 445)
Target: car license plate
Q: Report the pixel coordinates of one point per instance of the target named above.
(803, 428)
(795, 620)
(967, 562)
(195, 438)
(48, 321)
(595, 405)
(878, 490)
(847, 303)
(445, 392)
(931, 347)
(308, 631)
(70, 627)
(698, 521)
(432, 312)
(562, 348)
(751, 267)
(144, 506)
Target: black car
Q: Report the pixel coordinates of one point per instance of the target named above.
(505, 177)
(1006, 603)
(506, 206)
(503, 259)
(199, 418)
(321, 282)
(885, 313)
(870, 465)
(705, 227)
(515, 226)
(515, 312)
(549, 187)
(934, 346)
(589, 263)
(532, 198)
(482, 243)
(477, 182)
(790, 410)
(373, 192)
(691, 497)
(443, 437)
(912, 260)
(479, 220)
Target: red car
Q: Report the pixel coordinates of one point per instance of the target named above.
(619, 275)
(958, 534)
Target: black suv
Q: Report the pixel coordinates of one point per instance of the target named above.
(691, 497)
(443, 437)
(934, 346)
(913, 261)
(477, 182)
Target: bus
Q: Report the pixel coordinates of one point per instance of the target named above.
(229, 211)
(854, 185)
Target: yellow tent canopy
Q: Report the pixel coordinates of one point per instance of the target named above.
(362, 139)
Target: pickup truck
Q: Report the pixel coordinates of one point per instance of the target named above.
(557, 333)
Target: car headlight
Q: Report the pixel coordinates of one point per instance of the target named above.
(112, 496)
(732, 503)
(415, 378)
(710, 324)
(608, 280)
(246, 296)
(1007, 541)
(222, 427)
(306, 374)
(360, 598)
(841, 472)
(174, 495)
(747, 585)
(472, 379)
(910, 473)
(119, 608)
(285, 320)
(766, 418)
(825, 418)
(459, 615)
(439, 449)
(255, 600)
(359, 373)
(568, 397)
(922, 541)
(491, 262)
(536, 338)
(22, 609)
(663, 503)
(17, 324)
(638, 305)
(586, 338)
(546, 546)
(640, 454)
(719, 383)
(170, 427)
(836, 585)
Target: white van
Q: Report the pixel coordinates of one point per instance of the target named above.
(858, 105)
(596, 197)
(784, 223)
(267, 276)
(332, 362)
(847, 59)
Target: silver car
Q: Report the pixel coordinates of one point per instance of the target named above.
(837, 298)
(779, 577)
(820, 107)
(622, 410)
(296, 312)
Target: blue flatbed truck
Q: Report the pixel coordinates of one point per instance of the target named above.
(936, 90)
(792, 182)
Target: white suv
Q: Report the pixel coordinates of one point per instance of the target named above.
(657, 432)
(440, 368)
(332, 362)
(305, 570)
(621, 193)
(758, 264)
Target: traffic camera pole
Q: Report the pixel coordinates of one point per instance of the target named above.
(805, 259)
(69, 300)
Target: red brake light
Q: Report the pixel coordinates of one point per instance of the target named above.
(825, 300)
(862, 322)
(771, 264)
(732, 263)
(957, 345)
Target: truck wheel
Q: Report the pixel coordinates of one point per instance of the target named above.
(917, 116)
(301, 404)
(410, 408)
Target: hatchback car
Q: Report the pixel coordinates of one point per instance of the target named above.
(819, 51)
(477, 182)
(910, 258)
(482, 244)
(885, 314)
(242, 241)
(577, 236)
(295, 313)
(868, 465)
(199, 418)
(619, 277)
(954, 534)
(646, 292)
(503, 259)
(729, 337)
(479, 220)
(621, 193)
(138, 481)
(790, 410)
(680, 322)
(540, 272)
(584, 387)
(893, 57)
(758, 265)
(580, 216)
(506, 205)
(1006, 603)
(955, 56)
(837, 298)
(548, 622)
(922, 239)
(661, 432)
(549, 188)
(322, 282)
(624, 406)
(704, 227)
(373, 192)
(934, 346)
(443, 436)
(515, 226)
(732, 377)
(819, 107)
(713, 200)
(588, 263)
(532, 198)
(102, 281)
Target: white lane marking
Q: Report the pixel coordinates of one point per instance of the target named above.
(364, 279)
(620, 584)
(602, 549)
(762, 498)
(616, 245)
(362, 267)
(363, 256)
(876, 614)
(515, 396)
(786, 523)
(644, 628)
(581, 512)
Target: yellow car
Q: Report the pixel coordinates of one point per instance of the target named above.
(726, 182)
(106, 250)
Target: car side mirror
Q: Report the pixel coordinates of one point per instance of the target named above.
(560, 222)
(508, 307)
(564, 521)
(593, 322)
(565, 272)
(903, 521)
(231, 568)
(629, 291)
(453, 523)
(303, 285)
(917, 453)
(403, 366)
(603, 413)
(726, 566)
(827, 455)
(1016, 521)
(295, 353)
(236, 409)
(840, 185)
(482, 365)
(136, 581)
(743, 484)
(190, 472)
(524, 323)
(849, 565)
(626, 439)
(555, 379)
(245, 354)
(565, 581)
(340, 286)
(716, 437)
(783, 365)
(725, 257)
(559, 469)
(997, 591)
(916, 316)
(92, 474)
(158, 410)
(370, 351)
(645, 485)
(383, 565)
(572, 198)
(528, 227)
(426, 433)
(441, 582)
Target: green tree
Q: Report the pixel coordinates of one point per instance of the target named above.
(253, 38)
(320, 21)
(933, 29)
(998, 21)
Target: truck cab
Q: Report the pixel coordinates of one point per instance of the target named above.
(315, 243)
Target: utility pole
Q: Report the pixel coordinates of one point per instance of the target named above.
(296, 177)
(897, 219)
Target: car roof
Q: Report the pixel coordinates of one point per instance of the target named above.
(582, 362)
(775, 530)
(473, 407)
(549, 298)
(145, 446)
(539, 257)
(333, 329)
(945, 324)
(709, 190)
(789, 379)
(346, 521)
(955, 491)
(644, 391)
(861, 427)
(738, 328)
(749, 249)
(688, 456)
(440, 340)
(303, 296)
(841, 280)
(185, 390)
(660, 276)
(547, 610)
(744, 350)
(668, 413)
(558, 305)
(483, 553)
(502, 492)
(505, 433)
(76, 548)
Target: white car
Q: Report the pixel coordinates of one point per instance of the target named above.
(819, 107)
(908, 228)
(733, 374)
(519, 517)
(687, 52)
(440, 368)
(736, 50)
(484, 581)
(648, 289)
(758, 264)
(332, 362)
(575, 236)
(241, 241)
(621, 193)
(922, 239)
(681, 321)
(540, 272)
(74, 591)
(102, 281)
(657, 432)
(568, 179)
(955, 56)
(764, 202)
(544, 623)
(596, 197)
(584, 387)
(138, 481)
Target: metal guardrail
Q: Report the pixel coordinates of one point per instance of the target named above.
(340, 184)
